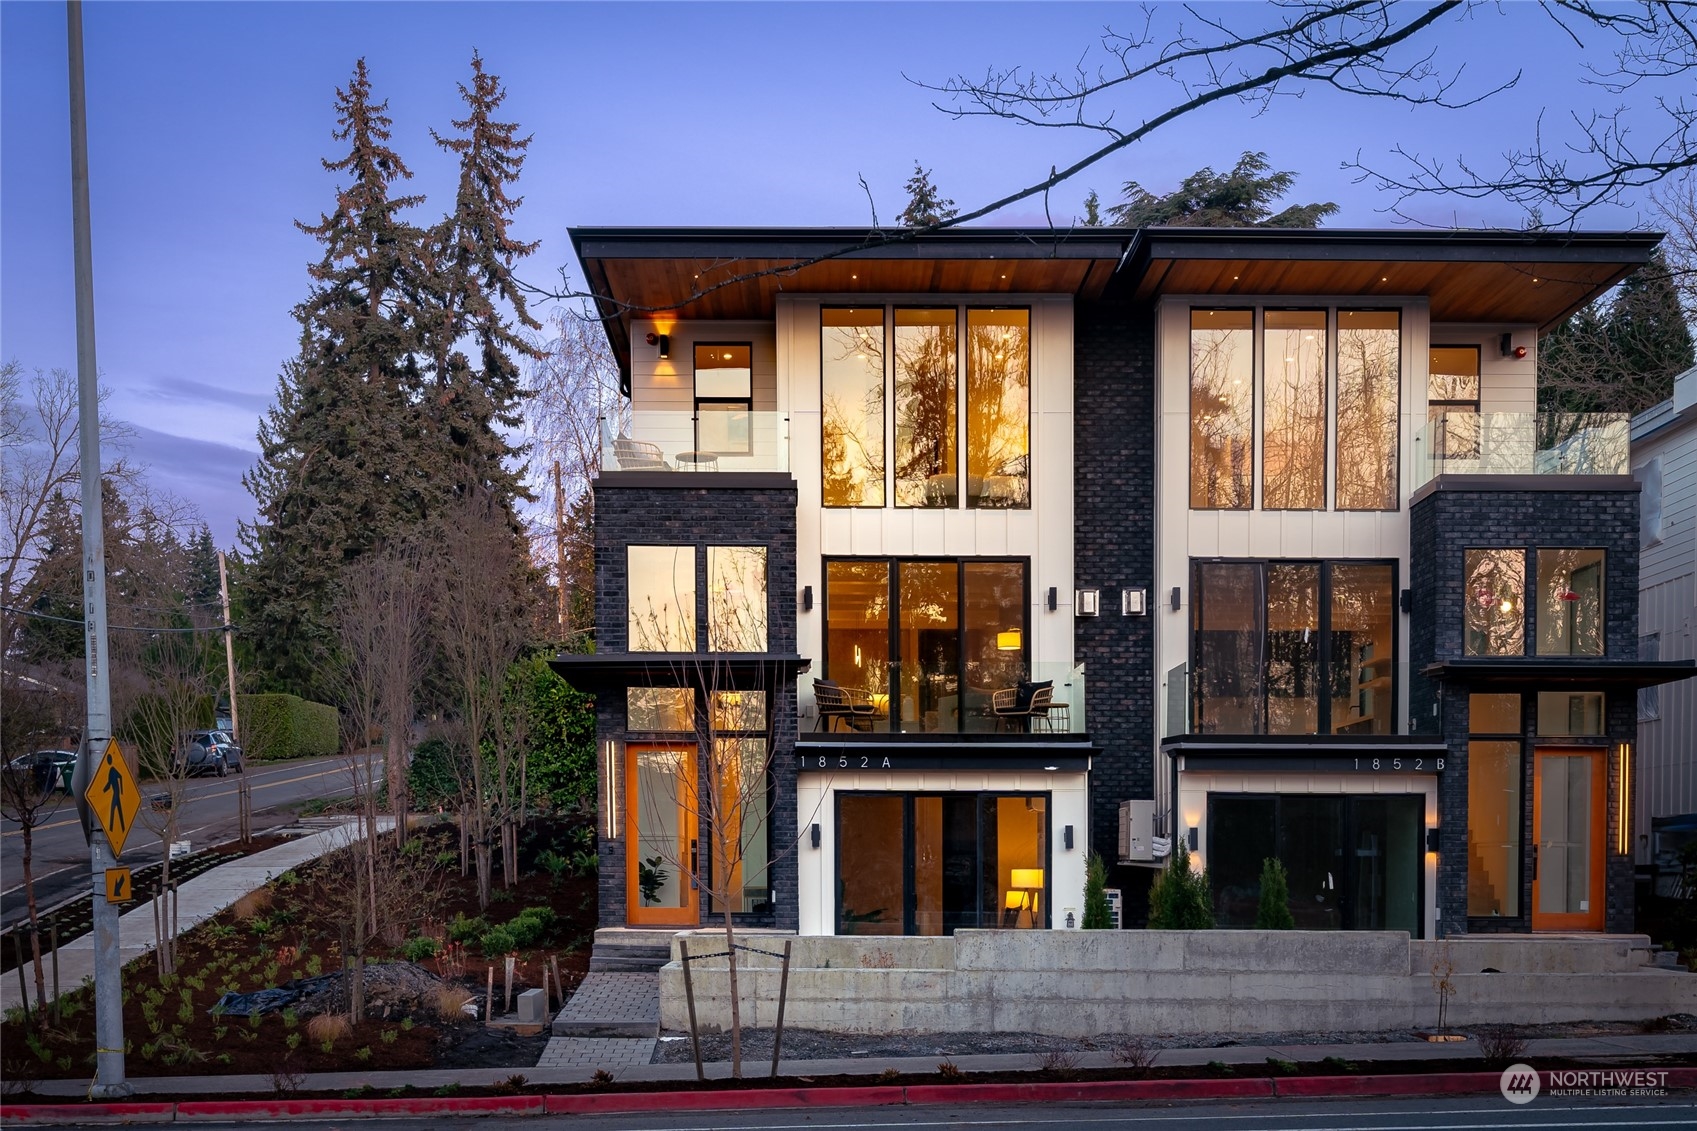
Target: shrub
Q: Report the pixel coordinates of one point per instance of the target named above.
(1180, 899)
(462, 929)
(552, 863)
(432, 777)
(529, 926)
(562, 735)
(1132, 1051)
(252, 903)
(450, 1001)
(1500, 1045)
(276, 726)
(1273, 914)
(497, 941)
(419, 949)
(328, 1028)
(1098, 915)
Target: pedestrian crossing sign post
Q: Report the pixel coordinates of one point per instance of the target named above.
(119, 889)
(113, 796)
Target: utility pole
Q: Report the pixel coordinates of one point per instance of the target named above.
(244, 796)
(560, 546)
(109, 1082)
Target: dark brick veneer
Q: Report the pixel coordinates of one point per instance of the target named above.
(723, 509)
(1458, 514)
(1114, 547)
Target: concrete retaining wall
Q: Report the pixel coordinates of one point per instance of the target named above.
(1087, 983)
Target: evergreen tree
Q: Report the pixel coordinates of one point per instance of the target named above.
(1242, 198)
(1273, 912)
(1098, 912)
(1092, 210)
(1618, 357)
(926, 207)
(345, 457)
(1180, 899)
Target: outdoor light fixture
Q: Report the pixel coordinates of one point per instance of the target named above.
(1193, 838)
(1054, 598)
(1087, 602)
(1511, 350)
(807, 598)
(815, 836)
(1432, 839)
(1623, 752)
(1408, 600)
(1066, 838)
(1175, 599)
(1133, 602)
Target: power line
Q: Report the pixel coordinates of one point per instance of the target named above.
(113, 627)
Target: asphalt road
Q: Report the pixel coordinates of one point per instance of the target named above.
(209, 816)
(1439, 1113)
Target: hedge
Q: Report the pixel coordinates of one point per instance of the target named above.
(287, 726)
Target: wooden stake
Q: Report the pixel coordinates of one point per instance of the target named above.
(689, 997)
(783, 992)
(507, 965)
(23, 983)
(53, 935)
(559, 986)
(489, 998)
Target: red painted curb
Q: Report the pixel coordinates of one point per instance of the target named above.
(200, 1110)
(43, 1114)
(1091, 1090)
(610, 1102)
(1425, 1084)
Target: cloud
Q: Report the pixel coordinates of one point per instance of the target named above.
(186, 390)
(203, 472)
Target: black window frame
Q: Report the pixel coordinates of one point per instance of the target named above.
(1475, 404)
(747, 403)
(1323, 676)
(1520, 868)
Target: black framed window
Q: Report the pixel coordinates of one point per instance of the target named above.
(740, 754)
(933, 863)
(724, 398)
(1452, 402)
(1495, 813)
(929, 640)
(1293, 647)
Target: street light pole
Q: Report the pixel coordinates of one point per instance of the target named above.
(109, 1080)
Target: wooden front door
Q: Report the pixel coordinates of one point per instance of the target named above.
(660, 836)
(1569, 792)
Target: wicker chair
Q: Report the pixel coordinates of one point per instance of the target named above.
(1016, 707)
(639, 455)
(846, 703)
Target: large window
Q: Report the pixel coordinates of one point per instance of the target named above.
(930, 642)
(1452, 400)
(724, 391)
(741, 755)
(930, 864)
(932, 411)
(1222, 408)
(1494, 810)
(927, 358)
(1369, 407)
(1294, 648)
(736, 598)
(1493, 599)
(661, 605)
(1570, 602)
(1293, 464)
(851, 360)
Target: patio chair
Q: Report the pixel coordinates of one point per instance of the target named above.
(838, 702)
(1016, 707)
(639, 455)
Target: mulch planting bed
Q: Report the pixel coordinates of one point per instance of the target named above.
(295, 932)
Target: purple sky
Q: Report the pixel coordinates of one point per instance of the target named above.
(207, 122)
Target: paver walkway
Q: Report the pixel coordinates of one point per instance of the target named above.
(589, 1053)
(612, 1005)
(198, 899)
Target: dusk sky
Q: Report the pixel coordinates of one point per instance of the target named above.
(207, 122)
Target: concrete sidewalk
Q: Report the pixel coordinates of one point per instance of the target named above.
(1610, 1050)
(198, 899)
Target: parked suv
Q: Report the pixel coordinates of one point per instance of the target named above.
(208, 752)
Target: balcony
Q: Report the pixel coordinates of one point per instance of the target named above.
(713, 438)
(1522, 443)
(931, 703)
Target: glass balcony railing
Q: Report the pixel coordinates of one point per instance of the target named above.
(714, 438)
(1523, 443)
(934, 704)
(1177, 720)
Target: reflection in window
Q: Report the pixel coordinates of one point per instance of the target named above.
(998, 408)
(926, 359)
(928, 645)
(1493, 827)
(994, 638)
(742, 851)
(1570, 602)
(736, 598)
(870, 864)
(1369, 380)
(1363, 674)
(660, 709)
(739, 710)
(1293, 424)
(1222, 403)
(1493, 592)
(661, 602)
(724, 398)
(1452, 399)
(851, 357)
(857, 629)
(1293, 648)
(1570, 713)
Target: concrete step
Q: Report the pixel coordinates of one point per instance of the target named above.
(630, 950)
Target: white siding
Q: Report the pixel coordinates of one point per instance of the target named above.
(669, 385)
(1505, 384)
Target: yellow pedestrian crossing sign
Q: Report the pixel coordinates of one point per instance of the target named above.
(118, 886)
(112, 796)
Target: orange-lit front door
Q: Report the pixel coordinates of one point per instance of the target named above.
(1569, 791)
(660, 836)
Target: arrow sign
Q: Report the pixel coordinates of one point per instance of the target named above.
(119, 889)
(112, 796)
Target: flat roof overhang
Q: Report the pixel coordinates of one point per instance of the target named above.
(1298, 754)
(712, 671)
(828, 752)
(1559, 673)
(1526, 278)
(738, 273)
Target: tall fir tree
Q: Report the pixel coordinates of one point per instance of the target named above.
(1242, 198)
(346, 458)
(1618, 357)
(926, 207)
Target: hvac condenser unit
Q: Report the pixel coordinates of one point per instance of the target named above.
(1137, 831)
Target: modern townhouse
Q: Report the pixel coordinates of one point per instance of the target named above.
(997, 547)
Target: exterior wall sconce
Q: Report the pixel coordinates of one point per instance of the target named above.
(1175, 599)
(1406, 602)
(1087, 602)
(1623, 816)
(807, 598)
(1066, 838)
(1054, 598)
(1134, 602)
(1432, 839)
(664, 341)
(1511, 350)
(1194, 839)
(814, 836)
